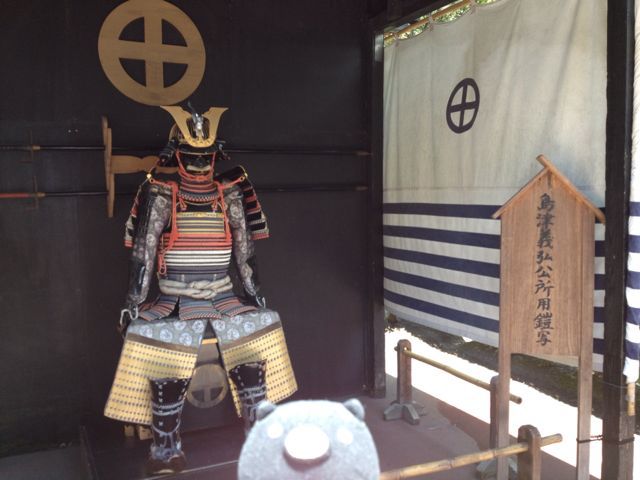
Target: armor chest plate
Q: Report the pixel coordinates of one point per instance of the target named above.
(202, 244)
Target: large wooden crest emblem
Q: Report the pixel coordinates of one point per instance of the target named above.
(152, 50)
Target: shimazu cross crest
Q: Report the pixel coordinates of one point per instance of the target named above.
(152, 51)
(463, 106)
(208, 386)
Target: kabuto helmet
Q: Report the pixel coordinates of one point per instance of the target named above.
(195, 133)
(193, 144)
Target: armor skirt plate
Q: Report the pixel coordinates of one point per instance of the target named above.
(168, 348)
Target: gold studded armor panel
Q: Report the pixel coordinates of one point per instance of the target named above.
(141, 359)
(267, 344)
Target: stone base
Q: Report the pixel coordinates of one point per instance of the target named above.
(409, 412)
(487, 470)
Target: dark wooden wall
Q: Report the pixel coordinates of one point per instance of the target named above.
(295, 75)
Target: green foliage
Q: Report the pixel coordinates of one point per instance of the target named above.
(390, 37)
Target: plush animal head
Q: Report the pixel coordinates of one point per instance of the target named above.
(309, 439)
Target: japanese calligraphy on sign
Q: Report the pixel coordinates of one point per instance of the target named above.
(543, 320)
(547, 252)
(546, 288)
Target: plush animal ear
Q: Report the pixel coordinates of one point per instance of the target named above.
(355, 407)
(264, 408)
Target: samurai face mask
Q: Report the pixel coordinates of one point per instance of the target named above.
(195, 163)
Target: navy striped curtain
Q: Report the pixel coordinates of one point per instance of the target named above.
(468, 107)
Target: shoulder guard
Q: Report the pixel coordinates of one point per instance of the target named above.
(256, 219)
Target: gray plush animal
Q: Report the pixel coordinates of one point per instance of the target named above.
(310, 440)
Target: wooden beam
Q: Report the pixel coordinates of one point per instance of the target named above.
(374, 330)
(408, 11)
(618, 427)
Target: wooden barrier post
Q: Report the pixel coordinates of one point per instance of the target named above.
(489, 468)
(631, 399)
(404, 407)
(530, 462)
(404, 387)
(493, 413)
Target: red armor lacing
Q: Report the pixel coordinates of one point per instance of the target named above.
(195, 184)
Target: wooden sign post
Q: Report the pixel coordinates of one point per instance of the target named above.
(546, 289)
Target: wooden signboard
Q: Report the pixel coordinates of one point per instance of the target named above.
(546, 289)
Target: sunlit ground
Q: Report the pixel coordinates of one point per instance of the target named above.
(549, 415)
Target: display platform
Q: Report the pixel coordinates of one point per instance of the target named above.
(109, 455)
(213, 453)
(444, 432)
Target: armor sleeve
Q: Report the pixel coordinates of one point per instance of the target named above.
(150, 215)
(132, 221)
(243, 246)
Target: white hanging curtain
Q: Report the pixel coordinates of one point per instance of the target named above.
(468, 107)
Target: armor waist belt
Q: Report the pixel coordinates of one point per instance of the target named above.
(200, 289)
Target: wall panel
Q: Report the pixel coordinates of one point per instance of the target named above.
(292, 74)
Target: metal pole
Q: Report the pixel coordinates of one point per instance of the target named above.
(264, 189)
(228, 149)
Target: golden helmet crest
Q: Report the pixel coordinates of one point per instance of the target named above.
(194, 129)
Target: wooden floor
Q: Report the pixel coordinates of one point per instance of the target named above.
(444, 432)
